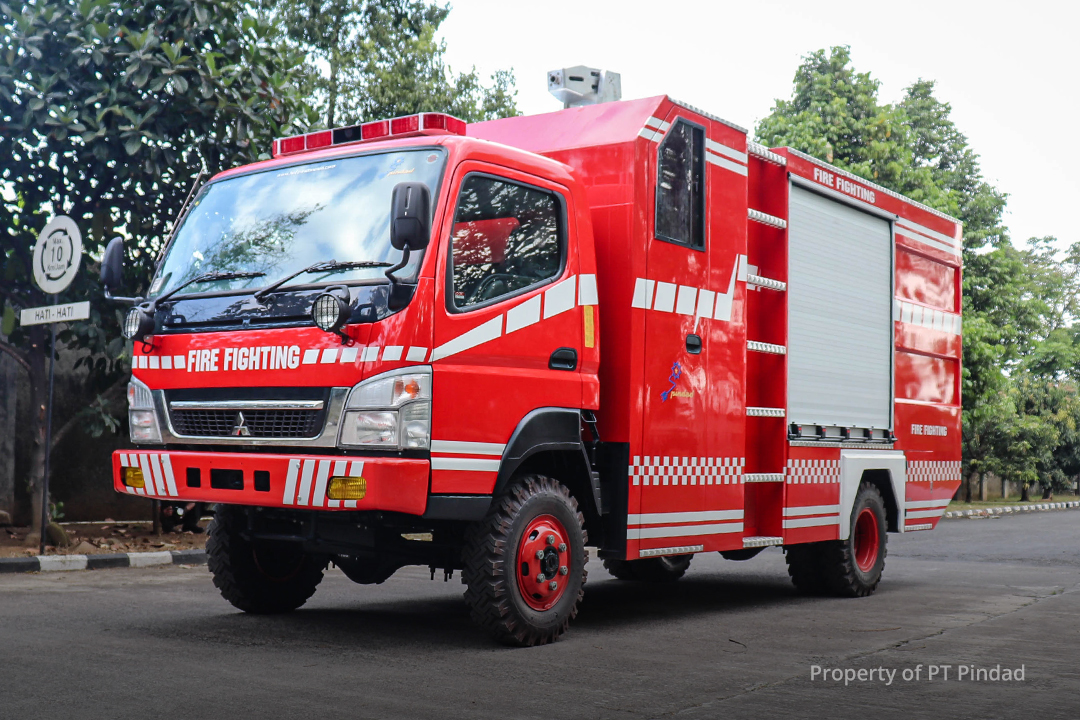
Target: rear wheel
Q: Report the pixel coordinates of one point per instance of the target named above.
(259, 576)
(851, 567)
(668, 568)
(525, 563)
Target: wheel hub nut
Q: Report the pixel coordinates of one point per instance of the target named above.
(554, 585)
(550, 539)
(540, 577)
(539, 554)
(564, 570)
(562, 547)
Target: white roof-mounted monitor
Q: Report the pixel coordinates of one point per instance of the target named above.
(580, 85)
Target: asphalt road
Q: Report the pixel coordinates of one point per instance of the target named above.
(732, 640)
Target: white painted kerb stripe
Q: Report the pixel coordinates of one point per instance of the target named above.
(58, 563)
(151, 558)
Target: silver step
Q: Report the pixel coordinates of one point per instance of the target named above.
(761, 541)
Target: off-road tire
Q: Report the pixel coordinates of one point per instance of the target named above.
(668, 568)
(259, 577)
(842, 574)
(490, 563)
(830, 567)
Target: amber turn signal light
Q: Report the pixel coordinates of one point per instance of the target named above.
(133, 477)
(347, 488)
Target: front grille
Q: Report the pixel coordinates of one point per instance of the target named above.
(259, 423)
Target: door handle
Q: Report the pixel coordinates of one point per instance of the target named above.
(693, 344)
(563, 359)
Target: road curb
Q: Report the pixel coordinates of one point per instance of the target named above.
(61, 563)
(1011, 509)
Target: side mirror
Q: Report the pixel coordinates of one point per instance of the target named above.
(112, 265)
(410, 216)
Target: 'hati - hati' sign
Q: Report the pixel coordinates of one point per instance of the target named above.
(55, 313)
(57, 255)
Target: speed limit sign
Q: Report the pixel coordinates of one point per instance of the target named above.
(57, 255)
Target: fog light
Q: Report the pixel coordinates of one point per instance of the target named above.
(347, 488)
(133, 477)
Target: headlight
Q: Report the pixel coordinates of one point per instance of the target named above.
(391, 411)
(138, 324)
(142, 418)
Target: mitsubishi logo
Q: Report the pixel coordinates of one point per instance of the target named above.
(240, 429)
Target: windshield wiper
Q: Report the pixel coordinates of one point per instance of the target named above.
(205, 277)
(323, 266)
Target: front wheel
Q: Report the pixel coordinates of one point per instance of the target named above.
(524, 564)
(259, 576)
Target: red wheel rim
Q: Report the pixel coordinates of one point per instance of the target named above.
(867, 540)
(543, 563)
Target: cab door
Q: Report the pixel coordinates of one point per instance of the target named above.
(507, 330)
(677, 464)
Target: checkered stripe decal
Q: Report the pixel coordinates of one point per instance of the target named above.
(933, 470)
(813, 472)
(657, 470)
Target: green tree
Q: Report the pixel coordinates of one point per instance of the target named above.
(372, 59)
(834, 114)
(108, 109)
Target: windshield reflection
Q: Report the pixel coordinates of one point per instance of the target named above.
(279, 221)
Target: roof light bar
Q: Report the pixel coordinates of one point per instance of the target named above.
(406, 126)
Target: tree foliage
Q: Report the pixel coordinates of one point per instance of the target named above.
(373, 59)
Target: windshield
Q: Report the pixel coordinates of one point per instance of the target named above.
(279, 221)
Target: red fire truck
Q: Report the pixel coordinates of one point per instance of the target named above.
(382, 347)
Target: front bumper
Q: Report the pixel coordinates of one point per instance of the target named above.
(275, 480)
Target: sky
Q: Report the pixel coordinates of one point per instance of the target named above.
(1009, 70)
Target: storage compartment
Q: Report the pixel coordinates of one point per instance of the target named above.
(840, 324)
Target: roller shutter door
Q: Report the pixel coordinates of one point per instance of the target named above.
(840, 328)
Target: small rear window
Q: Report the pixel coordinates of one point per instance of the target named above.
(680, 186)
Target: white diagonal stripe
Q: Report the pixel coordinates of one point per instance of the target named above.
(148, 477)
(561, 297)
(170, 481)
(305, 482)
(523, 315)
(480, 334)
(320, 483)
(289, 498)
(720, 149)
(726, 164)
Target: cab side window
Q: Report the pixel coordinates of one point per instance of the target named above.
(507, 237)
(680, 186)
